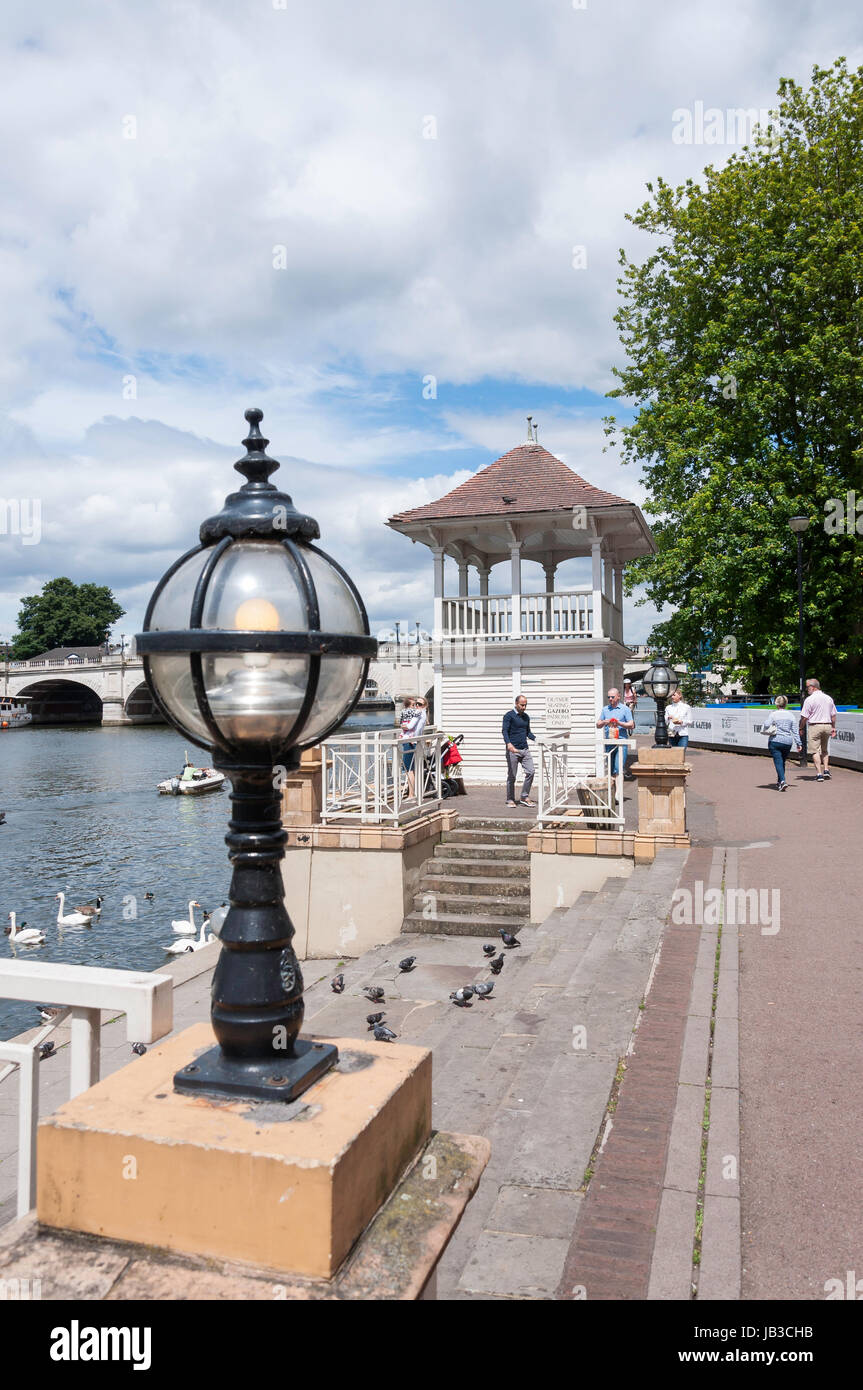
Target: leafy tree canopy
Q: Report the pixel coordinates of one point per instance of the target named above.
(64, 615)
(744, 334)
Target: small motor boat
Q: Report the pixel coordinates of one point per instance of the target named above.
(193, 781)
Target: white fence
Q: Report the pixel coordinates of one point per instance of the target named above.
(727, 727)
(567, 613)
(366, 777)
(80, 992)
(563, 791)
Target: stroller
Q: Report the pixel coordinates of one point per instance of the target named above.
(451, 759)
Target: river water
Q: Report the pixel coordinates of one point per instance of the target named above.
(83, 817)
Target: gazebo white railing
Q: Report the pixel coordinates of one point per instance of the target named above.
(560, 614)
(365, 778)
(567, 796)
(79, 991)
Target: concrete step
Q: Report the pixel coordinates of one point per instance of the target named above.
(482, 868)
(476, 905)
(484, 835)
(513, 824)
(459, 924)
(482, 850)
(471, 884)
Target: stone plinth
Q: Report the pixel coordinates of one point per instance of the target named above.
(395, 1257)
(348, 888)
(288, 1187)
(661, 775)
(302, 792)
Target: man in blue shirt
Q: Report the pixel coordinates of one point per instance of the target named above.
(516, 732)
(619, 724)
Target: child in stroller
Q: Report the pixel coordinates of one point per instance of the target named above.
(452, 783)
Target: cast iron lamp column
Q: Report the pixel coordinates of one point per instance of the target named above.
(800, 524)
(660, 682)
(255, 646)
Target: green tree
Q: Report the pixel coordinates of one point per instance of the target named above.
(744, 334)
(64, 615)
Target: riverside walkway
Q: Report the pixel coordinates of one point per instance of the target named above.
(614, 1034)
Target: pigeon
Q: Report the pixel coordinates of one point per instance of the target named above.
(508, 939)
(384, 1034)
(374, 993)
(45, 1050)
(482, 991)
(489, 950)
(495, 966)
(338, 984)
(462, 996)
(139, 1049)
(407, 964)
(373, 1020)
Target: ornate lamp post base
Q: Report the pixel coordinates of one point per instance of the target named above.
(215, 1074)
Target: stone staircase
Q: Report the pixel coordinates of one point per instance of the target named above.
(477, 882)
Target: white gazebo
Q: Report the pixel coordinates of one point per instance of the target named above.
(561, 647)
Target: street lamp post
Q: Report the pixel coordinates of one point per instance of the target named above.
(398, 644)
(660, 682)
(255, 646)
(800, 524)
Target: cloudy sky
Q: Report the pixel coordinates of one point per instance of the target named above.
(315, 208)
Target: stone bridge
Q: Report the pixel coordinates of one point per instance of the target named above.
(111, 689)
(93, 689)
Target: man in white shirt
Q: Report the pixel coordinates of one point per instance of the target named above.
(818, 718)
(678, 720)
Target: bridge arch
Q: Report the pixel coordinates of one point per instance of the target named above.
(140, 707)
(60, 700)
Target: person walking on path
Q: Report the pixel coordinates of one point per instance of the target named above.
(679, 720)
(618, 723)
(516, 732)
(818, 718)
(630, 699)
(781, 735)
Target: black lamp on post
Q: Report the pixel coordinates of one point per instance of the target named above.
(800, 524)
(256, 646)
(660, 683)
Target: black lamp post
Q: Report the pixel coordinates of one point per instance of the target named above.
(660, 682)
(255, 646)
(800, 524)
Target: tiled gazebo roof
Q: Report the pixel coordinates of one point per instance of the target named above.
(527, 479)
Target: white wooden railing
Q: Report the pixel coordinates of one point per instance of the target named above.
(80, 992)
(365, 778)
(567, 795)
(562, 614)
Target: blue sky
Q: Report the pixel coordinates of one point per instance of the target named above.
(314, 209)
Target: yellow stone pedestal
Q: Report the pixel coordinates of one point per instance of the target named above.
(661, 774)
(289, 1188)
(302, 792)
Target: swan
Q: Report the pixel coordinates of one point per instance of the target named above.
(186, 926)
(181, 948)
(30, 937)
(72, 919)
(216, 919)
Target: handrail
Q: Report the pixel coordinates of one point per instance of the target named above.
(578, 800)
(81, 992)
(365, 777)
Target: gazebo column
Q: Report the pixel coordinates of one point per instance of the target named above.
(438, 557)
(596, 579)
(618, 601)
(482, 626)
(515, 587)
(549, 569)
